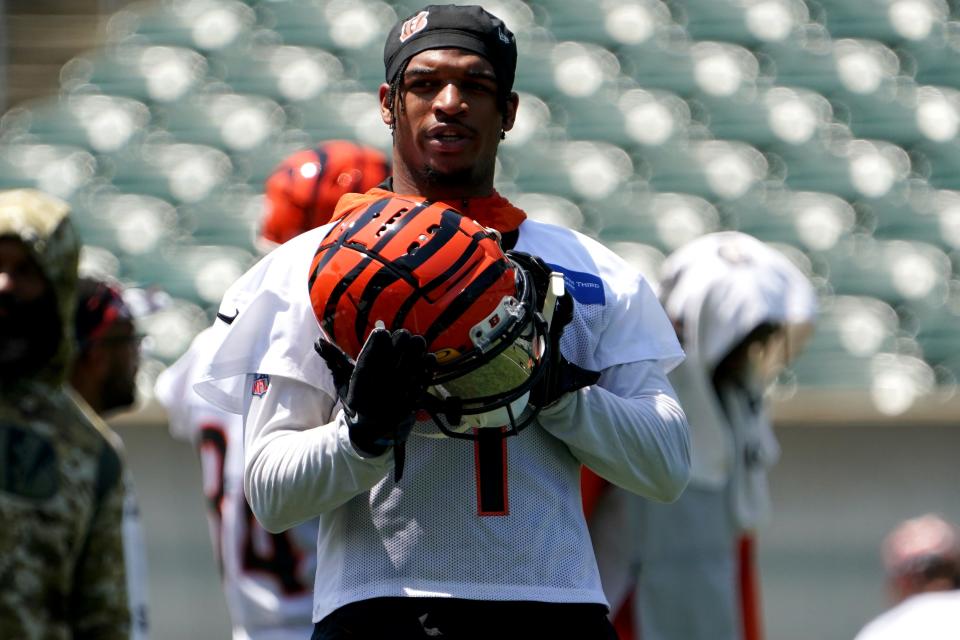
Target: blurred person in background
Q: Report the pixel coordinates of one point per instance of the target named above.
(62, 493)
(483, 538)
(742, 311)
(104, 371)
(267, 578)
(104, 377)
(303, 190)
(921, 559)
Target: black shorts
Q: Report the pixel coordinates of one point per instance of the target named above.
(454, 619)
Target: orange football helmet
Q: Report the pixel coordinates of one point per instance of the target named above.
(303, 190)
(424, 267)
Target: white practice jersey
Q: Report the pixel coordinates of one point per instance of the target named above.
(717, 289)
(267, 578)
(931, 616)
(498, 520)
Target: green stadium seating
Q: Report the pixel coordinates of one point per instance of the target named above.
(353, 115)
(941, 160)
(197, 273)
(747, 23)
(206, 25)
(229, 121)
(352, 29)
(176, 172)
(919, 213)
(840, 164)
(100, 123)
(768, 116)
(126, 224)
(170, 326)
(933, 60)
(61, 170)
(152, 74)
(617, 23)
(883, 20)
(817, 62)
(808, 220)
(283, 73)
(665, 221)
(712, 169)
(229, 218)
(890, 114)
(896, 271)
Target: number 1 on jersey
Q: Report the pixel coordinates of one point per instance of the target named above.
(490, 462)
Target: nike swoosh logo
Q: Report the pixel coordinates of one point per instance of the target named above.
(228, 319)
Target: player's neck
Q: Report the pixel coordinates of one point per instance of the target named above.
(409, 182)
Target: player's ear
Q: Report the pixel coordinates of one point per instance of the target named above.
(386, 105)
(510, 115)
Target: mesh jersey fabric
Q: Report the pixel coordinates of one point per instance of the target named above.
(424, 537)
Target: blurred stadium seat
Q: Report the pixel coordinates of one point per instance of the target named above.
(747, 23)
(895, 271)
(99, 123)
(55, 168)
(807, 220)
(174, 171)
(885, 20)
(126, 224)
(205, 25)
(229, 121)
(197, 273)
(283, 73)
(352, 29)
(148, 73)
(664, 220)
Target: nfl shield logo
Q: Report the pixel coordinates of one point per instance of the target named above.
(261, 382)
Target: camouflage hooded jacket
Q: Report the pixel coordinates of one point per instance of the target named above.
(61, 497)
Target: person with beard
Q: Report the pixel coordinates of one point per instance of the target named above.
(63, 573)
(463, 539)
(104, 379)
(104, 371)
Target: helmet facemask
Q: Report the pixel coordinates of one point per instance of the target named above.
(489, 387)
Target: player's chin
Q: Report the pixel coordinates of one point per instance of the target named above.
(449, 175)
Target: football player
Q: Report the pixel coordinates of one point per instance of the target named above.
(267, 577)
(431, 397)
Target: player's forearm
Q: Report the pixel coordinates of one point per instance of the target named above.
(635, 435)
(293, 471)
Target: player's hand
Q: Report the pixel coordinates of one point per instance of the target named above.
(381, 393)
(561, 376)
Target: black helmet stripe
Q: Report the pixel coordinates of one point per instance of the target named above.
(408, 215)
(322, 160)
(330, 308)
(476, 288)
(331, 249)
(403, 267)
(440, 280)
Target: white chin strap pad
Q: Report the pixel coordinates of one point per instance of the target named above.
(496, 418)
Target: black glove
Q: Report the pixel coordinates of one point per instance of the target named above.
(381, 393)
(561, 376)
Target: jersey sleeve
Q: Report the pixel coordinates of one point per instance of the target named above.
(265, 325)
(298, 460)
